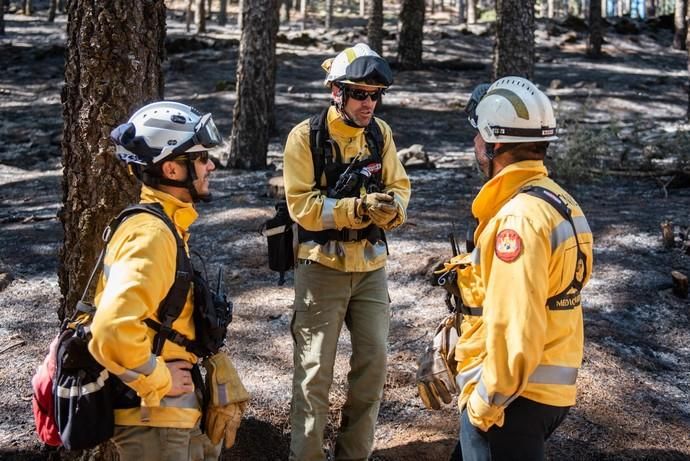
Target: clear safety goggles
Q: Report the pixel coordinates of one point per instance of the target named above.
(205, 134)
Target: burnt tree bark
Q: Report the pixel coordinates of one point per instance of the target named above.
(688, 86)
(112, 66)
(223, 12)
(252, 119)
(329, 14)
(52, 8)
(411, 34)
(680, 25)
(2, 17)
(375, 26)
(514, 48)
(595, 30)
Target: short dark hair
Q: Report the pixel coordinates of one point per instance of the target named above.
(529, 150)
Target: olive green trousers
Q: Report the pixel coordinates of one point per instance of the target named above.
(325, 299)
(145, 443)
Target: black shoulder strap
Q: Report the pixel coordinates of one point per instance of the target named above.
(318, 135)
(374, 138)
(319, 141)
(173, 303)
(570, 297)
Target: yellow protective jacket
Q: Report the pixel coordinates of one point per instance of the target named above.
(515, 345)
(312, 210)
(138, 271)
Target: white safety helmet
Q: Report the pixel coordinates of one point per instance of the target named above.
(164, 130)
(358, 64)
(514, 110)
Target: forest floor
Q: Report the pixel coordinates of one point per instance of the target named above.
(624, 111)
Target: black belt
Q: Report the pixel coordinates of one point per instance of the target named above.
(371, 233)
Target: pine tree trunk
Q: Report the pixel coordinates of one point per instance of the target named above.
(471, 11)
(687, 47)
(189, 15)
(460, 10)
(2, 17)
(110, 45)
(651, 8)
(375, 26)
(52, 8)
(363, 8)
(240, 9)
(223, 13)
(27, 8)
(329, 14)
(551, 8)
(200, 16)
(679, 25)
(303, 12)
(514, 52)
(411, 34)
(595, 32)
(252, 118)
(286, 6)
(209, 9)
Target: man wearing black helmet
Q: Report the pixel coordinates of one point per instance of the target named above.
(344, 187)
(150, 352)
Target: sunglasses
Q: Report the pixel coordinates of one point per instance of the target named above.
(201, 156)
(361, 95)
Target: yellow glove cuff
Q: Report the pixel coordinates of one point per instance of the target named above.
(223, 381)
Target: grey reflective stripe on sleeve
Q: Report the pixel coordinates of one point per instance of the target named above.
(564, 231)
(543, 374)
(90, 388)
(401, 208)
(464, 377)
(475, 311)
(554, 374)
(106, 271)
(188, 400)
(327, 218)
(475, 256)
(132, 374)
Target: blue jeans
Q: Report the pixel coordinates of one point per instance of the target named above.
(527, 426)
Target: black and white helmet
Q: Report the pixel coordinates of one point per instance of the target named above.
(163, 130)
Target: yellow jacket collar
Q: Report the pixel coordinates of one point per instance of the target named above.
(338, 128)
(182, 213)
(502, 187)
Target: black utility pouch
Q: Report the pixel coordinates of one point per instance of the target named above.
(279, 236)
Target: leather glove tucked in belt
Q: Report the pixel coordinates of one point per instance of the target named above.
(435, 374)
(228, 399)
(381, 208)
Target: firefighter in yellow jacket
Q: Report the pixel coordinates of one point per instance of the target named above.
(521, 343)
(344, 187)
(157, 402)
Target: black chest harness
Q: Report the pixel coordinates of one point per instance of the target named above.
(327, 160)
(570, 297)
(212, 313)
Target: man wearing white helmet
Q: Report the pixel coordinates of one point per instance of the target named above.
(521, 342)
(144, 330)
(344, 187)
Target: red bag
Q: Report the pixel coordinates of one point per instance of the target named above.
(42, 401)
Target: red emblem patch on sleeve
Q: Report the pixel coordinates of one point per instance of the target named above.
(508, 245)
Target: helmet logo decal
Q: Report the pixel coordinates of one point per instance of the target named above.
(351, 54)
(515, 100)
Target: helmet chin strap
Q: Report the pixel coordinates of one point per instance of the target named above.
(340, 107)
(153, 180)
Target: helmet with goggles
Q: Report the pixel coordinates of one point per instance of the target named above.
(358, 65)
(163, 131)
(512, 110)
